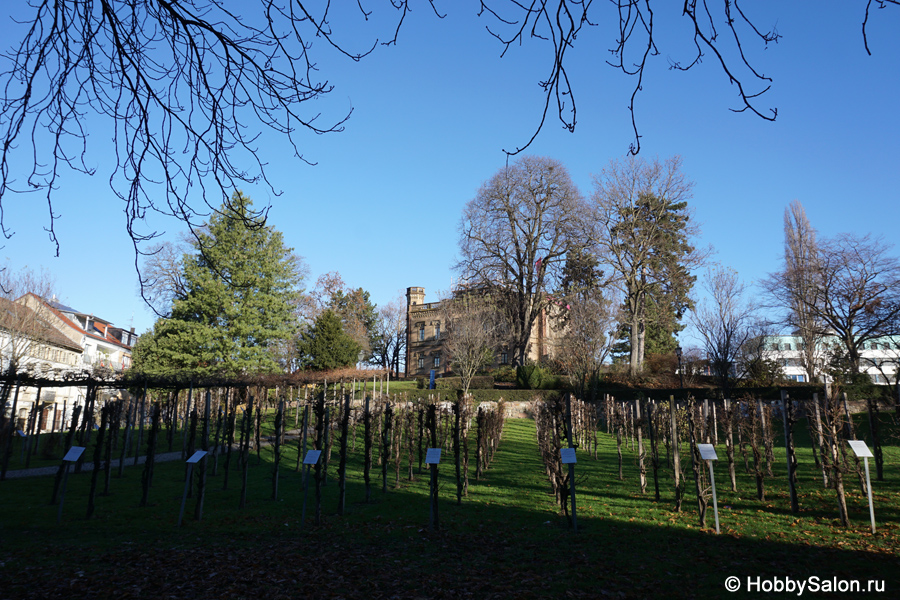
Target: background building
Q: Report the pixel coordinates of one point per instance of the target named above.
(426, 333)
(879, 358)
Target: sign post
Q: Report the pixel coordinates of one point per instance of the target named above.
(193, 460)
(433, 459)
(71, 457)
(567, 455)
(862, 451)
(708, 453)
(311, 458)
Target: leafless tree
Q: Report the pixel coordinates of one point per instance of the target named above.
(643, 234)
(514, 236)
(390, 335)
(24, 330)
(162, 275)
(592, 324)
(794, 288)
(474, 329)
(189, 86)
(28, 340)
(857, 292)
(725, 322)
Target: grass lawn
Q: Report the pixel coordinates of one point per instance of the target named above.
(507, 539)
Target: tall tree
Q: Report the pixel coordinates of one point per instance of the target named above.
(162, 274)
(389, 341)
(588, 337)
(857, 292)
(588, 319)
(725, 323)
(514, 237)
(358, 316)
(239, 286)
(643, 233)
(325, 345)
(795, 287)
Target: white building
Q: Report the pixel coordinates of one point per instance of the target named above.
(879, 358)
(35, 348)
(103, 345)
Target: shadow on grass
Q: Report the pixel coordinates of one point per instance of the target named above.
(506, 540)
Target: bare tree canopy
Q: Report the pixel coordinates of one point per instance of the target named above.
(187, 87)
(858, 291)
(389, 339)
(24, 327)
(592, 325)
(514, 237)
(473, 331)
(795, 286)
(644, 237)
(725, 322)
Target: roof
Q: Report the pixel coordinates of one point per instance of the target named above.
(59, 306)
(15, 317)
(52, 305)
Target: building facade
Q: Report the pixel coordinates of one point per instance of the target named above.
(426, 333)
(879, 358)
(31, 346)
(103, 345)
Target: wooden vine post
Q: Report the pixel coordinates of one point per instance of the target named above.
(787, 416)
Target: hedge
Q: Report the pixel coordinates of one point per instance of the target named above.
(455, 383)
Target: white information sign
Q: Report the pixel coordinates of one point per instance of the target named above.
(707, 451)
(73, 454)
(860, 449)
(196, 457)
(568, 456)
(433, 456)
(312, 457)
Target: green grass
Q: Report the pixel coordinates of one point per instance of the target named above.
(507, 539)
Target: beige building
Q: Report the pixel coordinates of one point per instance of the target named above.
(425, 336)
(31, 346)
(103, 345)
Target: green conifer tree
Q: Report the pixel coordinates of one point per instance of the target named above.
(240, 282)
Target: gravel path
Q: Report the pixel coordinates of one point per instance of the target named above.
(88, 466)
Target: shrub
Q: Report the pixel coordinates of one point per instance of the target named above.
(529, 377)
(505, 374)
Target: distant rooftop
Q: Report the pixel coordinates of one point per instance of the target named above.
(61, 307)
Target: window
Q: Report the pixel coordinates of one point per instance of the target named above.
(437, 331)
(421, 333)
(504, 358)
(437, 361)
(421, 363)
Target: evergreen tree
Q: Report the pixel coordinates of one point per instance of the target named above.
(239, 284)
(643, 234)
(357, 315)
(325, 345)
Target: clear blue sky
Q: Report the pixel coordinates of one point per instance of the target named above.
(432, 115)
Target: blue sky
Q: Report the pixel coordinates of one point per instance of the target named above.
(432, 115)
